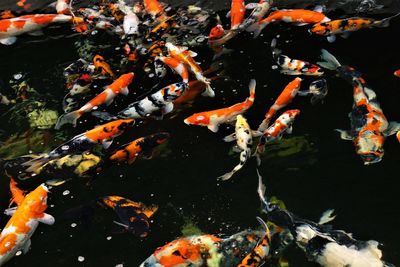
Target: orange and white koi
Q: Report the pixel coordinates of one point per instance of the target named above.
(291, 66)
(237, 13)
(283, 124)
(16, 235)
(134, 216)
(177, 66)
(297, 16)
(101, 65)
(119, 86)
(369, 126)
(346, 26)
(282, 101)
(397, 73)
(155, 9)
(63, 7)
(244, 141)
(10, 28)
(260, 252)
(186, 56)
(212, 119)
(141, 146)
(103, 134)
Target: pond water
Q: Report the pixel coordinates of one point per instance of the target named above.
(311, 170)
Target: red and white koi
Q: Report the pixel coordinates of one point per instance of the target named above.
(10, 28)
(63, 7)
(369, 126)
(259, 11)
(120, 85)
(297, 16)
(244, 141)
(177, 66)
(282, 101)
(291, 66)
(16, 235)
(186, 56)
(283, 124)
(103, 134)
(212, 119)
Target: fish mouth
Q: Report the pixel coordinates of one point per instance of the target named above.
(371, 158)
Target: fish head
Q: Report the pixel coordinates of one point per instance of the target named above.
(397, 73)
(37, 201)
(315, 70)
(216, 32)
(369, 146)
(160, 138)
(127, 78)
(139, 225)
(175, 90)
(292, 113)
(201, 119)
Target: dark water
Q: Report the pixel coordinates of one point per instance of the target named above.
(324, 172)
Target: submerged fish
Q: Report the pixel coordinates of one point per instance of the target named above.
(17, 233)
(321, 243)
(141, 146)
(134, 216)
(369, 126)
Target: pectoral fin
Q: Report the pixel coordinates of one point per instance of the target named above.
(26, 246)
(393, 128)
(331, 38)
(213, 127)
(289, 130)
(106, 143)
(345, 135)
(251, 5)
(47, 219)
(125, 91)
(10, 211)
(8, 41)
(230, 138)
(168, 108)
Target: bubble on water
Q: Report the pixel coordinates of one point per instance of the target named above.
(19, 252)
(66, 192)
(81, 258)
(119, 265)
(109, 237)
(17, 76)
(73, 225)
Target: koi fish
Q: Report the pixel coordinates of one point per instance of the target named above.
(155, 105)
(244, 141)
(63, 7)
(186, 56)
(318, 89)
(397, 73)
(131, 20)
(260, 252)
(212, 119)
(259, 11)
(291, 66)
(10, 28)
(345, 26)
(282, 101)
(141, 146)
(223, 252)
(16, 235)
(155, 9)
(101, 65)
(177, 66)
(283, 124)
(237, 13)
(297, 16)
(81, 85)
(369, 126)
(321, 243)
(134, 216)
(216, 32)
(120, 85)
(102, 134)
(6, 14)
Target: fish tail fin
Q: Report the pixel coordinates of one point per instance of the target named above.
(265, 206)
(69, 118)
(226, 176)
(252, 89)
(327, 216)
(256, 28)
(264, 125)
(384, 22)
(329, 61)
(209, 91)
(35, 164)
